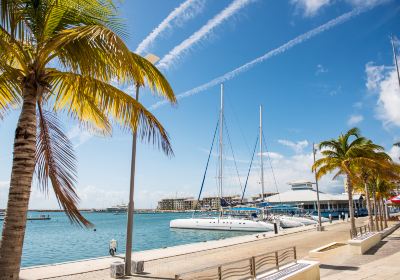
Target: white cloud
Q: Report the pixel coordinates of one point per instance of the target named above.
(77, 136)
(320, 70)
(375, 74)
(177, 52)
(366, 3)
(186, 11)
(271, 155)
(4, 184)
(297, 147)
(310, 7)
(288, 169)
(383, 81)
(394, 153)
(355, 119)
(279, 50)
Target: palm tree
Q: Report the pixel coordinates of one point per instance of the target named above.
(382, 165)
(342, 156)
(377, 179)
(60, 57)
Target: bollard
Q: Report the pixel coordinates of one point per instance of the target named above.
(137, 267)
(117, 270)
(275, 227)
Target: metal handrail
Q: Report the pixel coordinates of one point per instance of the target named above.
(359, 231)
(256, 264)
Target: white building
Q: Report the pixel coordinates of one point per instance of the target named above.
(304, 196)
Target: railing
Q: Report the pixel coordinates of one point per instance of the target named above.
(247, 268)
(360, 231)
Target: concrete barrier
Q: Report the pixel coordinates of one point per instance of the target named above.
(301, 270)
(364, 242)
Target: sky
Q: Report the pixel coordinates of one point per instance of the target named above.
(318, 68)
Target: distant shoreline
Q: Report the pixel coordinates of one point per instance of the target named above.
(137, 211)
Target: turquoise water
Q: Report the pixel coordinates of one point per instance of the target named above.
(56, 240)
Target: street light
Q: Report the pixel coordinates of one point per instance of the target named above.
(129, 229)
(319, 228)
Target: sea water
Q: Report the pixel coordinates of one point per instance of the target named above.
(57, 240)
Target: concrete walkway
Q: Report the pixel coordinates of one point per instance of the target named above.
(165, 263)
(380, 262)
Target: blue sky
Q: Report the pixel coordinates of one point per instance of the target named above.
(313, 89)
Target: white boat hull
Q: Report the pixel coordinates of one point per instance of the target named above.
(226, 224)
(289, 223)
(302, 220)
(323, 219)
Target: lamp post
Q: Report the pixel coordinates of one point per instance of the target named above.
(129, 229)
(319, 227)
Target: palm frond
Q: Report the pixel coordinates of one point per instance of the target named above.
(156, 81)
(9, 92)
(55, 161)
(74, 90)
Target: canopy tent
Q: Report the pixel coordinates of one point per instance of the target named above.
(395, 199)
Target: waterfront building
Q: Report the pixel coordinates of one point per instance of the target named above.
(214, 202)
(189, 203)
(257, 197)
(303, 195)
(177, 204)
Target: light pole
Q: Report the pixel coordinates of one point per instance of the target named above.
(319, 228)
(129, 229)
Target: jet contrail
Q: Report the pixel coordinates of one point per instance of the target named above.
(177, 52)
(283, 48)
(185, 11)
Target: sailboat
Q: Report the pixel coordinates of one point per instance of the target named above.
(285, 221)
(222, 222)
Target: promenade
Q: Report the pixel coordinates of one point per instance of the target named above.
(165, 263)
(379, 262)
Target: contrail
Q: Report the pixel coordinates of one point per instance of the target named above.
(283, 48)
(177, 52)
(186, 11)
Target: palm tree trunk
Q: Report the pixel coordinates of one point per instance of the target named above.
(351, 206)
(20, 187)
(369, 206)
(380, 213)
(384, 213)
(375, 211)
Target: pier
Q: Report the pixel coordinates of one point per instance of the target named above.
(165, 263)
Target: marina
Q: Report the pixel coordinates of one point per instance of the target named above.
(151, 231)
(127, 140)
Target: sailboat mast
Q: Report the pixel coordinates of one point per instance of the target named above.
(395, 60)
(221, 130)
(261, 156)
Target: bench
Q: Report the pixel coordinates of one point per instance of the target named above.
(301, 270)
(362, 243)
(280, 264)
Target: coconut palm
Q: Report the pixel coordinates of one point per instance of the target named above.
(61, 57)
(383, 190)
(378, 178)
(342, 156)
(382, 165)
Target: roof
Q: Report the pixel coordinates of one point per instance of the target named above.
(307, 196)
(244, 209)
(300, 182)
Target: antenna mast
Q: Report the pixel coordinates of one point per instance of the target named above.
(221, 130)
(261, 156)
(395, 60)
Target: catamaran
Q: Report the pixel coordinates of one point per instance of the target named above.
(285, 220)
(222, 222)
